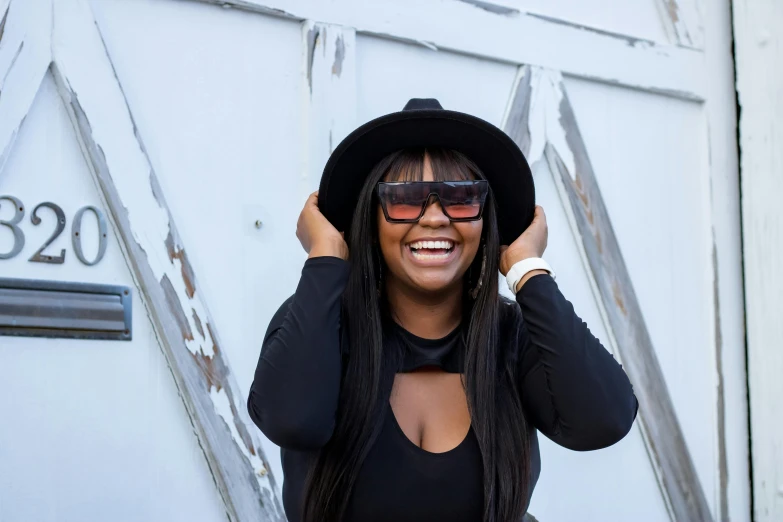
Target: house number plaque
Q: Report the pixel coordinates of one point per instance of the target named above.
(15, 222)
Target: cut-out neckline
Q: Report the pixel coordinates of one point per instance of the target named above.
(415, 447)
(426, 342)
(446, 353)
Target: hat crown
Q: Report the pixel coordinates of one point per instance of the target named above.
(422, 104)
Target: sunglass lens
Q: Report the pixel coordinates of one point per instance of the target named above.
(403, 201)
(403, 210)
(462, 201)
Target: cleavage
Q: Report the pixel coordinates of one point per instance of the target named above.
(431, 408)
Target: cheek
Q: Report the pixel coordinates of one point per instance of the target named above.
(471, 235)
(389, 237)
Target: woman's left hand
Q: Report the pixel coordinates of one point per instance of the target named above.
(531, 243)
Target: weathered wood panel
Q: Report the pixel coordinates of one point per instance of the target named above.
(733, 456)
(682, 22)
(552, 133)
(759, 53)
(159, 263)
(25, 54)
(509, 35)
(330, 93)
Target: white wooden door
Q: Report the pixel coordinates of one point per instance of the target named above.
(220, 119)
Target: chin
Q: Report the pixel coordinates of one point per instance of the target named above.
(434, 285)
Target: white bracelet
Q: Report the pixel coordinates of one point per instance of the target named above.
(519, 269)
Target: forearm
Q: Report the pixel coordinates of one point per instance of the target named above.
(576, 392)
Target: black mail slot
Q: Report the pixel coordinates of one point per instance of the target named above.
(38, 308)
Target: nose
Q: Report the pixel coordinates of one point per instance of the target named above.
(433, 214)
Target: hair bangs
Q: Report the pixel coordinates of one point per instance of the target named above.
(446, 165)
(407, 165)
(450, 165)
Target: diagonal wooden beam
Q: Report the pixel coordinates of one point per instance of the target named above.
(159, 263)
(25, 54)
(541, 120)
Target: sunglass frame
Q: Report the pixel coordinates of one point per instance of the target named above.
(425, 204)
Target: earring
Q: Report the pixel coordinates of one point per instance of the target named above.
(475, 291)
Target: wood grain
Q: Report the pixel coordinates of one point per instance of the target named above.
(676, 23)
(159, 264)
(759, 53)
(507, 36)
(587, 213)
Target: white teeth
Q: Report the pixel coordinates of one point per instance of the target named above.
(423, 250)
(432, 245)
(419, 255)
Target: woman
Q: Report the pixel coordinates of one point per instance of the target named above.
(396, 381)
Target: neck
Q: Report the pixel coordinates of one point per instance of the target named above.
(425, 314)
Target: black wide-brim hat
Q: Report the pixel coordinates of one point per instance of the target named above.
(424, 123)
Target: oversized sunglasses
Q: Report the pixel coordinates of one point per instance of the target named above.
(406, 201)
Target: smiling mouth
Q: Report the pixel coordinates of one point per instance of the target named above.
(426, 250)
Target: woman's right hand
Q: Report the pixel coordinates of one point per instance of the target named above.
(317, 235)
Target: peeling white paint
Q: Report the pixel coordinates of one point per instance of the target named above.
(115, 132)
(544, 124)
(733, 460)
(552, 83)
(91, 90)
(330, 105)
(537, 119)
(681, 20)
(323, 112)
(223, 409)
(553, 132)
(667, 69)
(200, 343)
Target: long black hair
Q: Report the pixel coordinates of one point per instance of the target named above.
(495, 409)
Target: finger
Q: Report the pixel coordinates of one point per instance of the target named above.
(539, 215)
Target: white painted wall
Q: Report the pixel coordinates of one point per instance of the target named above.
(759, 48)
(220, 98)
(223, 136)
(91, 430)
(639, 18)
(653, 185)
(732, 489)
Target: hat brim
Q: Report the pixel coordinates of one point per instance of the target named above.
(499, 158)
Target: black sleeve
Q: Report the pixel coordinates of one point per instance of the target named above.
(572, 389)
(293, 398)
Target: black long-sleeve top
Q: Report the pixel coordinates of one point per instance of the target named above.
(572, 390)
